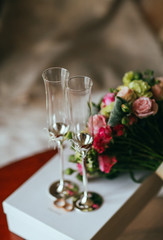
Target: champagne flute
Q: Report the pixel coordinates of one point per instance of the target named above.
(79, 102)
(55, 79)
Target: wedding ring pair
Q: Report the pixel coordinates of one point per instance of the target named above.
(61, 203)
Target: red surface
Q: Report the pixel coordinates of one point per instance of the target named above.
(11, 177)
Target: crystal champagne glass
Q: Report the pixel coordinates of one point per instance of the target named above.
(79, 102)
(55, 79)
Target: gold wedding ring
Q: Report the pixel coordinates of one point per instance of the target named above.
(61, 203)
(69, 207)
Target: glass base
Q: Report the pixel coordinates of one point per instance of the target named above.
(94, 201)
(70, 189)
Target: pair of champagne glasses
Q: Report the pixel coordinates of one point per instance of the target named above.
(68, 105)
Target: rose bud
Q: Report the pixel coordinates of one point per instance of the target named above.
(127, 94)
(157, 89)
(125, 108)
(125, 120)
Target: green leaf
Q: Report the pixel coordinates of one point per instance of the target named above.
(117, 113)
(137, 76)
(95, 108)
(79, 177)
(113, 90)
(149, 72)
(149, 77)
(72, 158)
(69, 171)
(69, 135)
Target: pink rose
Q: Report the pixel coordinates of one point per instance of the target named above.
(144, 107)
(102, 139)
(106, 163)
(98, 122)
(127, 94)
(108, 98)
(157, 89)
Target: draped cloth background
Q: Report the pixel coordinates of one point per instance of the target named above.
(99, 38)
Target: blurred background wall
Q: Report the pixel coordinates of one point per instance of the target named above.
(99, 38)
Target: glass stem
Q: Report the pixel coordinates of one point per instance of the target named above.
(61, 182)
(85, 181)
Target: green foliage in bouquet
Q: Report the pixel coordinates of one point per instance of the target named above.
(128, 128)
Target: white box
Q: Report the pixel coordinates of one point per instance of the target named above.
(31, 214)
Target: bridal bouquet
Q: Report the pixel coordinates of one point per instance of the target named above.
(128, 128)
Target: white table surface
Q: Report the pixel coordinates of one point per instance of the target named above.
(33, 204)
